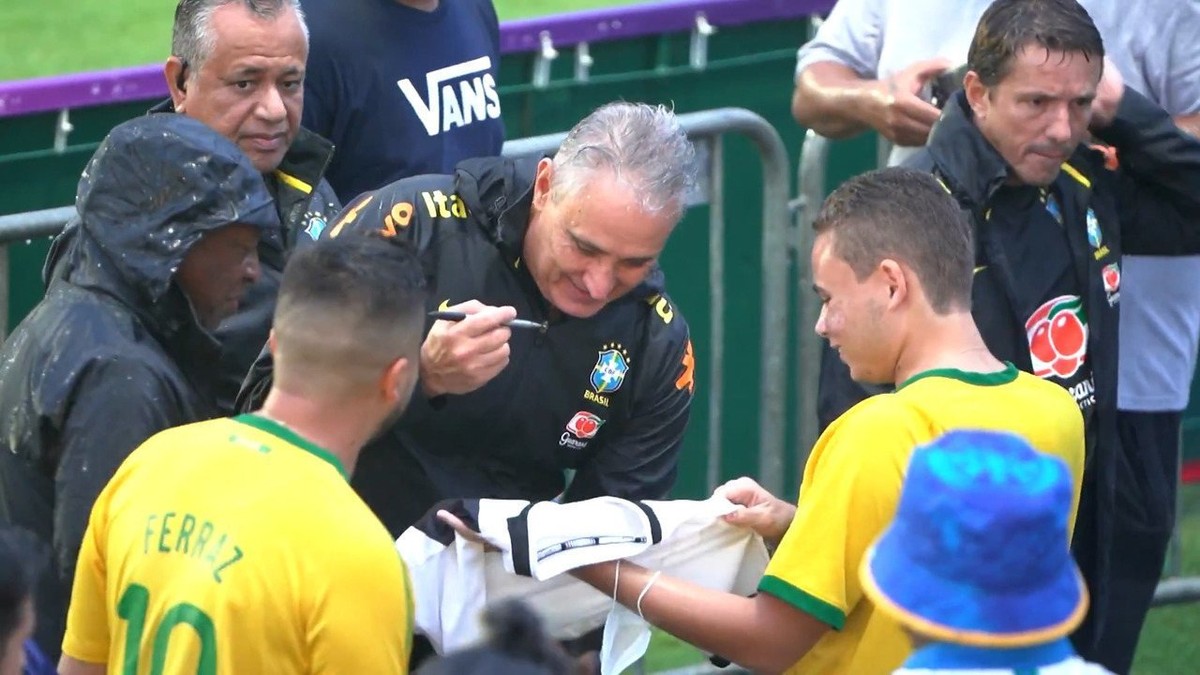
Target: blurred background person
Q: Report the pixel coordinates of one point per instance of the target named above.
(402, 87)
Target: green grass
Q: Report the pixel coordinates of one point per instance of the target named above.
(52, 37)
(1171, 639)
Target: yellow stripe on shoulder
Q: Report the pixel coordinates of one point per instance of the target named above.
(1074, 173)
(293, 182)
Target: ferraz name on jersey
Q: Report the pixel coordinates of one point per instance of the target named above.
(455, 96)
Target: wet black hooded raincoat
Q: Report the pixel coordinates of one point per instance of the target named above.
(114, 353)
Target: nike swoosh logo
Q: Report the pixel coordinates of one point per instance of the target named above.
(445, 305)
(980, 269)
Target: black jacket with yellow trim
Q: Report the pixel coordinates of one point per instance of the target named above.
(607, 397)
(1140, 206)
(306, 203)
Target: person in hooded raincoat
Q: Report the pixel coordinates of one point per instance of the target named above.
(121, 347)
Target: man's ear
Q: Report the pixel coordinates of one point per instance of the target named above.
(396, 381)
(271, 342)
(541, 182)
(977, 94)
(897, 282)
(175, 72)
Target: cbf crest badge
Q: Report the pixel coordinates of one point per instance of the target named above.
(314, 224)
(611, 366)
(1093, 229)
(1054, 211)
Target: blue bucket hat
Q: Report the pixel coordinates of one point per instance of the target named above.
(978, 553)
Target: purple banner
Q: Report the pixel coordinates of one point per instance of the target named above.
(145, 83)
(79, 90)
(615, 23)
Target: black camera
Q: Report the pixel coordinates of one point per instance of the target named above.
(942, 87)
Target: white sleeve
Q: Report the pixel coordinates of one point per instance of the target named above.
(852, 35)
(1180, 94)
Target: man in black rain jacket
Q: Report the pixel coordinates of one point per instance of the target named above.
(1052, 217)
(121, 347)
(605, 390)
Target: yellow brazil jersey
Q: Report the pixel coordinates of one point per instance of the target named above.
(852, 484)
(235, 546)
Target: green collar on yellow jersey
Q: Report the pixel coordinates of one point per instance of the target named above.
(276, 429)
(982, 379)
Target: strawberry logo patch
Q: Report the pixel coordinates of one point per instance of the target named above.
(1058, 334)
(584, 425)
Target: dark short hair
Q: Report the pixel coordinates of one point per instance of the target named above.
(23, 558)
(191, 35)
(908, 216)
(377, 281)
(1008, 26)
(517, 645)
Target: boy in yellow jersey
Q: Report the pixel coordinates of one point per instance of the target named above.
(237, 545)
(892, 262)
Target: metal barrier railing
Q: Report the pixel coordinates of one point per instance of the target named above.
(814, 158)
(25, 227)
(33, 224)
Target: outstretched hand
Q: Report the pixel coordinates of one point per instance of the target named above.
(758, 509)
(464, 531)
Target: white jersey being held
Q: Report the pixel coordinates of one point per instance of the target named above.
(454, 579)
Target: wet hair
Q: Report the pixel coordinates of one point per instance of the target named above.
(348, 307)
(192, 38)
(908, 216)
(1009, 26)
(641, 145)
(22, 560)
(517, 644)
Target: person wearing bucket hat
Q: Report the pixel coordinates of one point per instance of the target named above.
(122, 346)
(892, 262)
(976, 565)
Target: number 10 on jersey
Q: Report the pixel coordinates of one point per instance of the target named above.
(132, 607)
